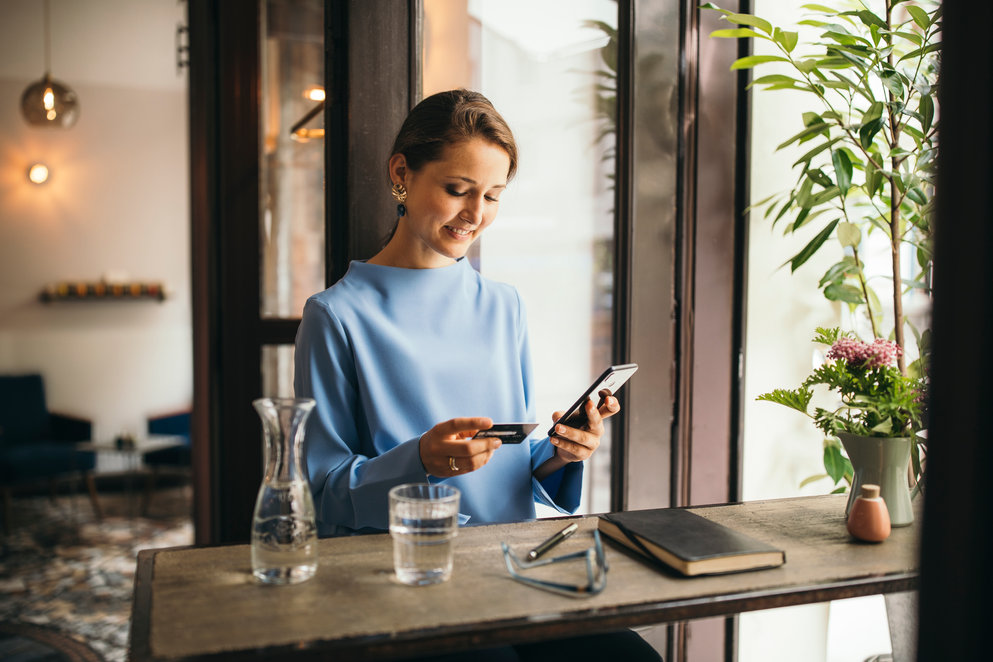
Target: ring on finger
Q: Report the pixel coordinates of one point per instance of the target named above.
(451, 463)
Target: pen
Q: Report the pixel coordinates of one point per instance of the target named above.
(553, 541)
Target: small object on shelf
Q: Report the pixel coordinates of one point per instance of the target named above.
(125, 441)
(102, 290)
(869, 520)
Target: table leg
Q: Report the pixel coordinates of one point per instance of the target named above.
(91, 487)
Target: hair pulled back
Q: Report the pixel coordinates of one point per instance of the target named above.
(447, 118)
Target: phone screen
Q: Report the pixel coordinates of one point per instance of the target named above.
(612, 379)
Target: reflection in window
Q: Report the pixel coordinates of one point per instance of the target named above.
(549, 69)
(292, 164)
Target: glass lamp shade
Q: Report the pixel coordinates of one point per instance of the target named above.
(49, 102)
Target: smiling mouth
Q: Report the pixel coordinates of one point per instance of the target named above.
(459, 232)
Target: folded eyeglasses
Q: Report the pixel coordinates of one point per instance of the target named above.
(596, 570)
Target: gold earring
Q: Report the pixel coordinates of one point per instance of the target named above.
(399, 192)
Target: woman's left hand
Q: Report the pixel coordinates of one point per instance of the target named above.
(578, 444)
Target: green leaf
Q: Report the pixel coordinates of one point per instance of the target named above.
(748, 19)
(735, 33)
(835, 464)
(798, 399)
(824, 9)
(917, 195)
(816, 150)
(828, 335)
(849, 234)
(806, 216)
(872, 122)
(813, 479)
(787, 40)
(920, 16)
(842, 170)
(845, 293)
(806, 133)
(912, 37)
(926, 109)
(921, 52)
(803, 195)
(831, 63)
(750, 61)
(838, 271)
(891, 80)
(774, 78)
(884, 428)
(812, 246)
(825, 196)
(820, 178)
(870, 19)
(711, 5)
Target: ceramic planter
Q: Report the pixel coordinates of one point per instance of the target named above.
(881, 461)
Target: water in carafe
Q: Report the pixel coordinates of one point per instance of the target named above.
(284, 528)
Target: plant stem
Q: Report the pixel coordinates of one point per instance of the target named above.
(895, 198)
(865, 292)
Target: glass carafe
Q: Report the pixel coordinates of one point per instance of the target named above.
(284, 530)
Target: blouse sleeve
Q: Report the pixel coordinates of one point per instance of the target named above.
(561, 490)
(350, 488)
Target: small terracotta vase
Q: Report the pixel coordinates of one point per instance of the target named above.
(869, 520)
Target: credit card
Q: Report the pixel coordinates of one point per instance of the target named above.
(508, 433)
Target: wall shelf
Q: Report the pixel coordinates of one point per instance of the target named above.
(103, 291)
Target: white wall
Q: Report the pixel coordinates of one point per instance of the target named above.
(117, 201)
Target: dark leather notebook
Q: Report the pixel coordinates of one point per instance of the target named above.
(689, 543)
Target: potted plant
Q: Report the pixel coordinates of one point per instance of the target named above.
(865, 174)
(879, 413)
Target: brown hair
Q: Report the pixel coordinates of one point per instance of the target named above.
(446, 118)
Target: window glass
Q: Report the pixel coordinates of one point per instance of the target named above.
(277, 371)
(549, 68)
(292, 160)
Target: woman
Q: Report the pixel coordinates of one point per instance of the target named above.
(413, 352)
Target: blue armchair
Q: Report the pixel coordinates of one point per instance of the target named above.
(176, 458)
(37, 445)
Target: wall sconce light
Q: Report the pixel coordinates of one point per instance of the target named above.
(49, 102)
(38, 173)
(314, 93)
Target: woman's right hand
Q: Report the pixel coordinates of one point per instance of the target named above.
(450, 444)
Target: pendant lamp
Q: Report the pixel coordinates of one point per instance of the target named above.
(49, 102)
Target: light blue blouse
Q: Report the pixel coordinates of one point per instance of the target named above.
(387, 353)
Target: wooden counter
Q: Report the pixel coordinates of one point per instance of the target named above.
(204, 603)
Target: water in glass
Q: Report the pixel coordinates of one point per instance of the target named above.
(424, 521)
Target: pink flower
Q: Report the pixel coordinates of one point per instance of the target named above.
(882, 353)
(851, 350)
(857, 353)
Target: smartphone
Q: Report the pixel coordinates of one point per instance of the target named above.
(508, 433)
(612, 379)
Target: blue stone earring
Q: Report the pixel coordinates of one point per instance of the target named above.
(400, 193)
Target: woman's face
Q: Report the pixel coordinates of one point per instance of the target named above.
(449, 201)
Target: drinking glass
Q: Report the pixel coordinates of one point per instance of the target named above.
(423, 523)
